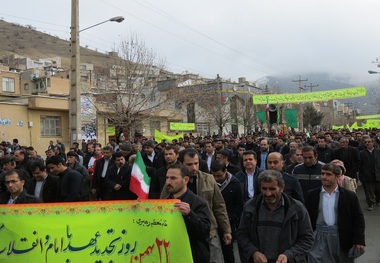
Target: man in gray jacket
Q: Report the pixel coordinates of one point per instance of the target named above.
(274, 227)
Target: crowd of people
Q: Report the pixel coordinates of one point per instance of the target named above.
(288, 198)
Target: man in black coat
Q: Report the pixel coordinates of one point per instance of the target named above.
(102, 165)
(230, 188)
(70, 181)
(369, 172)
(73, 163)
(119, 178)
(224, 156)
(349, 156)
(275, 161)
(16, 194)
(324, 152)
(194, 211)
(151, 157)
(340, 222)
(43, 185)
(159, 178)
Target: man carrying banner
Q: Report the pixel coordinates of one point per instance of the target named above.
(194, 211)
(204, 185)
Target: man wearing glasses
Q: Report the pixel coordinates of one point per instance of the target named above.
(369, 172)
(15, 193)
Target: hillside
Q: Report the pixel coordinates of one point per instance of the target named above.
(26, 41)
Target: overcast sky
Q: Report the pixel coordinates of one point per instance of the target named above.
(240, 38)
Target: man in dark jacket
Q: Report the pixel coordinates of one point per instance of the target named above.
(16, 194)
(248, 175)
(73, 163)
(119, 178)
(274, 227)
(230, 187)
(369, 172)
(275, 161)
(159, 178)
(194, 211)
(325, 153)
(152, 157)
(43, 185)
(349, 156)
(309, 172)
(336, 217)
(70, 180)
(99, 188)
(224, 157)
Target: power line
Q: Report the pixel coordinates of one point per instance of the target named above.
(207, 49)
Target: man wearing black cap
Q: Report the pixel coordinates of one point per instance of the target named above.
(151, 157)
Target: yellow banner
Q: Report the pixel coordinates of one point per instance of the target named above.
(179, 126)
(111, 130)
(334, 127)
(160, 136)
(375, 116)
(120, 231)
(310, 96)
(371, 124)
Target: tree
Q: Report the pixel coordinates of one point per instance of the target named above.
(311, 117)
(126, 92)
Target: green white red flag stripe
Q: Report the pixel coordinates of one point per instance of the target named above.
(140, 181)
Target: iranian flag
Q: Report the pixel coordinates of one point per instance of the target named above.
(140, 181)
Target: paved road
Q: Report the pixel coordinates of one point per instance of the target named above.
(372, 232)
(372, 220)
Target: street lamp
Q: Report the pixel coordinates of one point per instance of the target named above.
(373, 72)
(75, 89)
(118, 19)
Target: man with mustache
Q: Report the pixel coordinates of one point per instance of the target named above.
(274, 227)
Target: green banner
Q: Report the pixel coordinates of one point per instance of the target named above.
(111, 130)
(291, 118)
(375, 116)
(335, 127)
(179, 126)
(158, 136)
(94, 232)
(262, 115)
(310, 96)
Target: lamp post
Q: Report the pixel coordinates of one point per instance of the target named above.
(75, 88)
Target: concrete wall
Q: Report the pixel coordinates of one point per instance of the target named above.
(18, 121)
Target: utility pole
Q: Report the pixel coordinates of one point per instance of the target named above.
(299, 80)
(311, 86)
(75, 94)
(219, 87)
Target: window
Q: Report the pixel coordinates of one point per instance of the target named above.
(26, 86)
(51, 126)
(8, 84)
